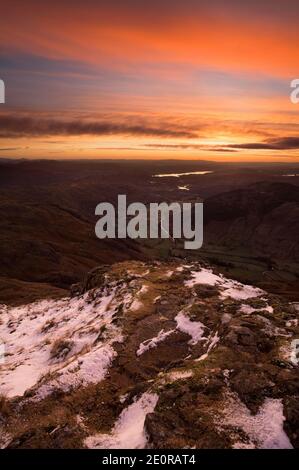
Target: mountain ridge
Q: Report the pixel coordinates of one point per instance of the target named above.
(136, 338)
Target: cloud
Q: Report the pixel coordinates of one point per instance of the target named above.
(125, 35)
(213, 148)
(7, 149)
(283, 143)
(15, 126)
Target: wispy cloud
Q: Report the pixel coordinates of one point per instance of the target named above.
(213, 148)
(14, 126)
(10, 149)
(284, 143)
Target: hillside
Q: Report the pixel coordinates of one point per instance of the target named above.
(159, 355)
(47, 220)
(263, 217)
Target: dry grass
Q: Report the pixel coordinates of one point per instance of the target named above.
(48, 326)
(60, 348)
(4, 406)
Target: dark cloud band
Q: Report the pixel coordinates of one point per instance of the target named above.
(14, 126)
(284, 143)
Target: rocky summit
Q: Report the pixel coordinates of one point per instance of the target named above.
(151, 355)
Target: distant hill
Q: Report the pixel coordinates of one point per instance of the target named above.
(263, 217)
(47, 216)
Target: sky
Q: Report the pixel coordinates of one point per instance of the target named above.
(149, 79)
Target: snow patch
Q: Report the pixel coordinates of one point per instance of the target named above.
(29, 332)
(212, 341)
(5, 439)
(204, 276)
(202, 357)
(229, 287)
(239, 291)
(153, 342)
(191, 328)
(137, 304)
(168, 273)
(247, 309)
(264, 430)
(143, 289)
(179, 375)
(89, 368)
(128, 432)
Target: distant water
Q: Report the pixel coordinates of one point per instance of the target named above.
(177, 175)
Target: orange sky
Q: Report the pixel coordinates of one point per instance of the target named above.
(159, 79)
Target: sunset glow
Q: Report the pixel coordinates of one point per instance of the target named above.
(168, 79)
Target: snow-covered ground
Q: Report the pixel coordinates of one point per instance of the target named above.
(263, 430)
(81, 330)
(69, 343)
(128, 432)
(83, 326)
(228, 287)
(195, 329)
(247, 309)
